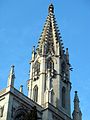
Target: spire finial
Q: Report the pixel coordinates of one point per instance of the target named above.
(33, 53)
(33, 50)
(21, 88)
(76, 96)
(75, 92)
(67, 54)
(51, 8)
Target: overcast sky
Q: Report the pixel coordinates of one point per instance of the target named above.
(21, 24)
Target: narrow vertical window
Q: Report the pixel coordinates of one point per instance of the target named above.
(52, 97)
(50, 65)
(1, 111)
(36, 70)
(35, 93)
(63, 97)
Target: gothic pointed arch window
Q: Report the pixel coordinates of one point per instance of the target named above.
(36, 70)
(50, 65)
(63, 97)
(35, 93)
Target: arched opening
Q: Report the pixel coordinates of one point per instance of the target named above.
(50, 65)
(35, 93)
(63, 97)
(36, 70)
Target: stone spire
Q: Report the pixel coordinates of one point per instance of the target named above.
(51, 8)
(11, 77)
(50, 38)
(77, 115)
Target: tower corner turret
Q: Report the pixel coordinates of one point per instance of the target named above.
(11, 77)
(77, 114)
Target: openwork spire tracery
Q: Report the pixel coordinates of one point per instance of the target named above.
(50, 35)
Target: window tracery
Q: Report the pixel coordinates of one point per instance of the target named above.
(50, 65)
(36, 70)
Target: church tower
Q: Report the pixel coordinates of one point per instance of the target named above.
(49, 83)
(50, 68)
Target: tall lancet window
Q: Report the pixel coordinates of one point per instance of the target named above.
(63, 97)
(50, 65)
(52, 97)
(36, 70)
(35, 93)
(1, 111)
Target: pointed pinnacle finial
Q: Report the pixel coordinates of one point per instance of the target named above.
(77, 114)
(33, 50)
(12, 70)
(21, 88)
(76, 97)
(11, 76)
(33, 53)
(67, 51)
(75, 92)
(51, 8)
